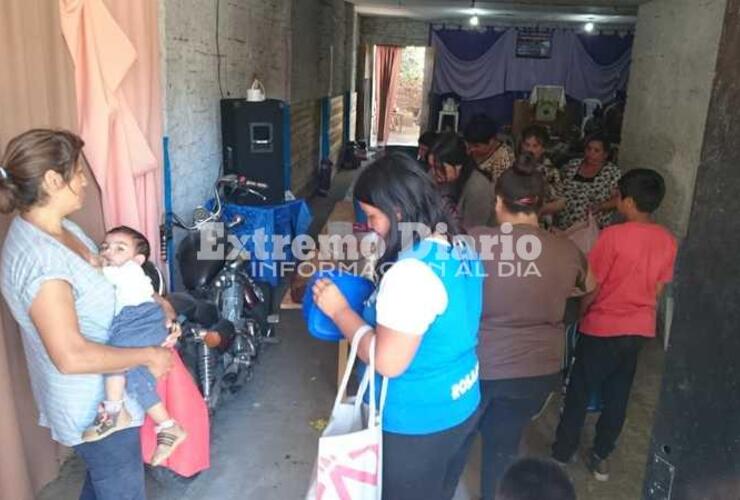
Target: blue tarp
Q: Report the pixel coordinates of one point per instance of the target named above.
(288, 219)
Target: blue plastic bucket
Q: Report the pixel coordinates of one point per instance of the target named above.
(359, 212)
(356, 290)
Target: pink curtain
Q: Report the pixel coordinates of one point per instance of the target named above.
(36, 90)
(387, 68)
(115, 50)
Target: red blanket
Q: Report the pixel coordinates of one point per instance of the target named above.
(185, 404)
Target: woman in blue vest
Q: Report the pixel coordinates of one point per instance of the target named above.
(427, 312)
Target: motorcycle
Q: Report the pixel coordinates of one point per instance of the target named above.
(222, 310)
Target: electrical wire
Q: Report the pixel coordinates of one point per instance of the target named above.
(218, 47)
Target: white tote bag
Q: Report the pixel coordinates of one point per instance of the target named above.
(349, 464)
(584, 233)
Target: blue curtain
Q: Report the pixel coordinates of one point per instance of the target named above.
(606, 49)
(480, 68)
(468, 45)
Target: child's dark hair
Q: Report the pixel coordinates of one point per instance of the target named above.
(427, 138)
(522, 187)
(142, 244)
(645, 186)
(27, 158)
(396, 185)
(535, 479)
(538, 132)
(480, 130)
(450, 149)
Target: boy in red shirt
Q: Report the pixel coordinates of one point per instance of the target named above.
(632, 262)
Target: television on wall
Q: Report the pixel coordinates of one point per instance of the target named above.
(534, 44)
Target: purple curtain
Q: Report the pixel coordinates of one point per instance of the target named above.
(606, 49)
(469, 45)
(497, 70)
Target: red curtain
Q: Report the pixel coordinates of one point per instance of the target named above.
(387, 68)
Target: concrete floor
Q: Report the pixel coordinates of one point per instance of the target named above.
(264, 447)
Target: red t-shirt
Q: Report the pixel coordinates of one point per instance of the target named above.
(629, 261)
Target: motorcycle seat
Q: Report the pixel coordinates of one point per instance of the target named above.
(199, 311)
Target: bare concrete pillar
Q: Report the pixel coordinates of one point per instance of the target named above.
(695, 447)
(673, 65)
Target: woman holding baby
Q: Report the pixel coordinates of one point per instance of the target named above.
(64, 307)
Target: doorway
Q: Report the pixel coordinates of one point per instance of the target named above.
(405, 123)
(405, 100)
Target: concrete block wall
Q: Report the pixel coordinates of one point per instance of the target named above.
(306, 140)
(352, 39)
(336, 128)
(673, 69)
(307, 80)
(375, 30)
(333, 58)
(325, 34)
(284, 42)
(254, 38)
(322, 57)
(305, 120)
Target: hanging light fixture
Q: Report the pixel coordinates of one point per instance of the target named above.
(589, 27)
(474, 21)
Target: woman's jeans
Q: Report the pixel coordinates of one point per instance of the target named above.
(507, 406)
(115, 470)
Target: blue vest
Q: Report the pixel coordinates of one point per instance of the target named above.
(439, 389)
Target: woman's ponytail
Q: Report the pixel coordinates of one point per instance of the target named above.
(522, 187)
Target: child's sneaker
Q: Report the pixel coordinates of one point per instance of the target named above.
(564, 463)
(597, 466)
(106, 424)
(167, 441)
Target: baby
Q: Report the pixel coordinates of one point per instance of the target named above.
(139, 322)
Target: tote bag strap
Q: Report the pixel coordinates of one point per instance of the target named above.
(368, 380)
(376, 417)
(350, 366)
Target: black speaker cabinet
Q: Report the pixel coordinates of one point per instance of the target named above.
(254, 136)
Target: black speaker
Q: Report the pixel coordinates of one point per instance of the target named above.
(254, 136)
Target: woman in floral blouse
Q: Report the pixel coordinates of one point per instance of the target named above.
(589, 184)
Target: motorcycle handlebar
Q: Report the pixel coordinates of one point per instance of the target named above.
(255, 184)
(230, 179)
(241, 181)
(177, 221)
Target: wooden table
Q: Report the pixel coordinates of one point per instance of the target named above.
(343, 211)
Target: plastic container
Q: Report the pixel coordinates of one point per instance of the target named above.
(359, 212)
(356, 290)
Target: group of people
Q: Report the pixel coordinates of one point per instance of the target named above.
(467, 349)
(459, 166)
(470, 349)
